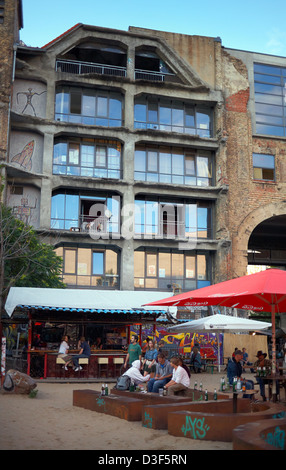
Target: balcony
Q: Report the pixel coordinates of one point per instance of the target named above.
(80, 68)
(152, 75)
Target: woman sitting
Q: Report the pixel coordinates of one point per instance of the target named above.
(180, 379)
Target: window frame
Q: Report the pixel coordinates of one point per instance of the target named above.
(265, 168)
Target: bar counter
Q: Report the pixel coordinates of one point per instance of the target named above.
(41, 363)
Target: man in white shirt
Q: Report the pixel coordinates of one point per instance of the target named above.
(180, 379)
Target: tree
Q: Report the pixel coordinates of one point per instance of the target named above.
(24, 259)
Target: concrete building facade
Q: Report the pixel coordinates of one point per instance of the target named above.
(152, 160)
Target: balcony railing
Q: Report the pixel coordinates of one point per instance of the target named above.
(79, 68)
(151, 75)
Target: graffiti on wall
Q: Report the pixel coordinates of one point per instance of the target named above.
(29, 95)
(24, 158)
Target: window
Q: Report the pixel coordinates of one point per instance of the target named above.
(87, 157)
(172, 116)
(263, 167)
(89, 267)
(99, 215)
(161, 269)
(173, 165)
(164, 219)
(270, 108)
(90, 107)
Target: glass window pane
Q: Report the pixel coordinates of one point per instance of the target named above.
(101, 106)
(177, 163)
(165, 113)
(152, 161)
(152, 111)
(190, 267)
(265, 88)
(189, 117)
(75, 103)
(72, 207)
(202, 267)
(100, 158)
(177, 265)
(58, 207)
(110, 262)
(202, 222)
(203, 167)
(151, 260)
(98, 263)
(83, 262)
(87, 155)
(140, 160)
(165, 162)
(164, 265)
(115, 108)
(263, 161)
(190, 164)
(88, 105)
(140, 112)
(62, 103)
(177, 116)
(73, 154)
(60, 153)
(139, 264)
(69, 261)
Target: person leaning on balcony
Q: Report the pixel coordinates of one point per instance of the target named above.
(180, 378)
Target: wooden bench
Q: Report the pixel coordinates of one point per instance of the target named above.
(124, 407)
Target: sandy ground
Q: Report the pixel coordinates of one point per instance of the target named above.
(51, 422)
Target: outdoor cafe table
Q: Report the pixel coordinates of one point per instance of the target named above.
(270, 379)
(235, 395)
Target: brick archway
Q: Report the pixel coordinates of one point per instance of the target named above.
(241, 238)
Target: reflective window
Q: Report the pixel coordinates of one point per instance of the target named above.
(270, 104)
(172, 115)
(91, 107)
(173, 165)
(98, 215)
(90, 267)
(165, 269)
(89, 157)
(263, 167)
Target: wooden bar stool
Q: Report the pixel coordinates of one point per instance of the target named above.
(61, 362)
(102, 366)
(117, 364)
(84, 361)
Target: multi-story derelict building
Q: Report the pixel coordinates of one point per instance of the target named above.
(152, 159)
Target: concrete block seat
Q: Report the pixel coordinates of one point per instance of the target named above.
(261, 435)
(215, 420)
(125, 407)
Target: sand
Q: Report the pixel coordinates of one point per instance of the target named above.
(51, 422)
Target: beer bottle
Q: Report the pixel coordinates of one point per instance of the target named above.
(102, 390)
(215, 394)
(206, 395)
(201, 387)
(106, 389)
(196, 385)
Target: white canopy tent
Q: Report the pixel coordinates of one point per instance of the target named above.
(90, 299)
(219, 323)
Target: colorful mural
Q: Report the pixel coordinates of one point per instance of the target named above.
(24, 158)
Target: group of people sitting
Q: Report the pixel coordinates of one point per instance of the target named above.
(156, 369)
(73, 360)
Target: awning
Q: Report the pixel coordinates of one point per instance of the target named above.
(83, 300)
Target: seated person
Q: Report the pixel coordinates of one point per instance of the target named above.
(163, 374)
(245, 361)
(135, 375)
(234, 369)
(84, 352)
(262, 362)
(180, 378)
(149, 361)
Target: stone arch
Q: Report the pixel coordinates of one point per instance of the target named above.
(241, 238)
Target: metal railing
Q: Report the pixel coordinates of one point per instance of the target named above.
(151, 75)
(79, 68)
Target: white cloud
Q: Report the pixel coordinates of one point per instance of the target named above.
(276, 43)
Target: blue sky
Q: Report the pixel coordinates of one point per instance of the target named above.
(250, 25)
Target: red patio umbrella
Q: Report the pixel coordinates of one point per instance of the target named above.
(264, 291)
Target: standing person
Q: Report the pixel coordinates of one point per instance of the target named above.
(180, 379)
(149, 361)
(63, 352)
(163, 374)
(234, 369)
(196, 360)
(84, 352)
(134, 351)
